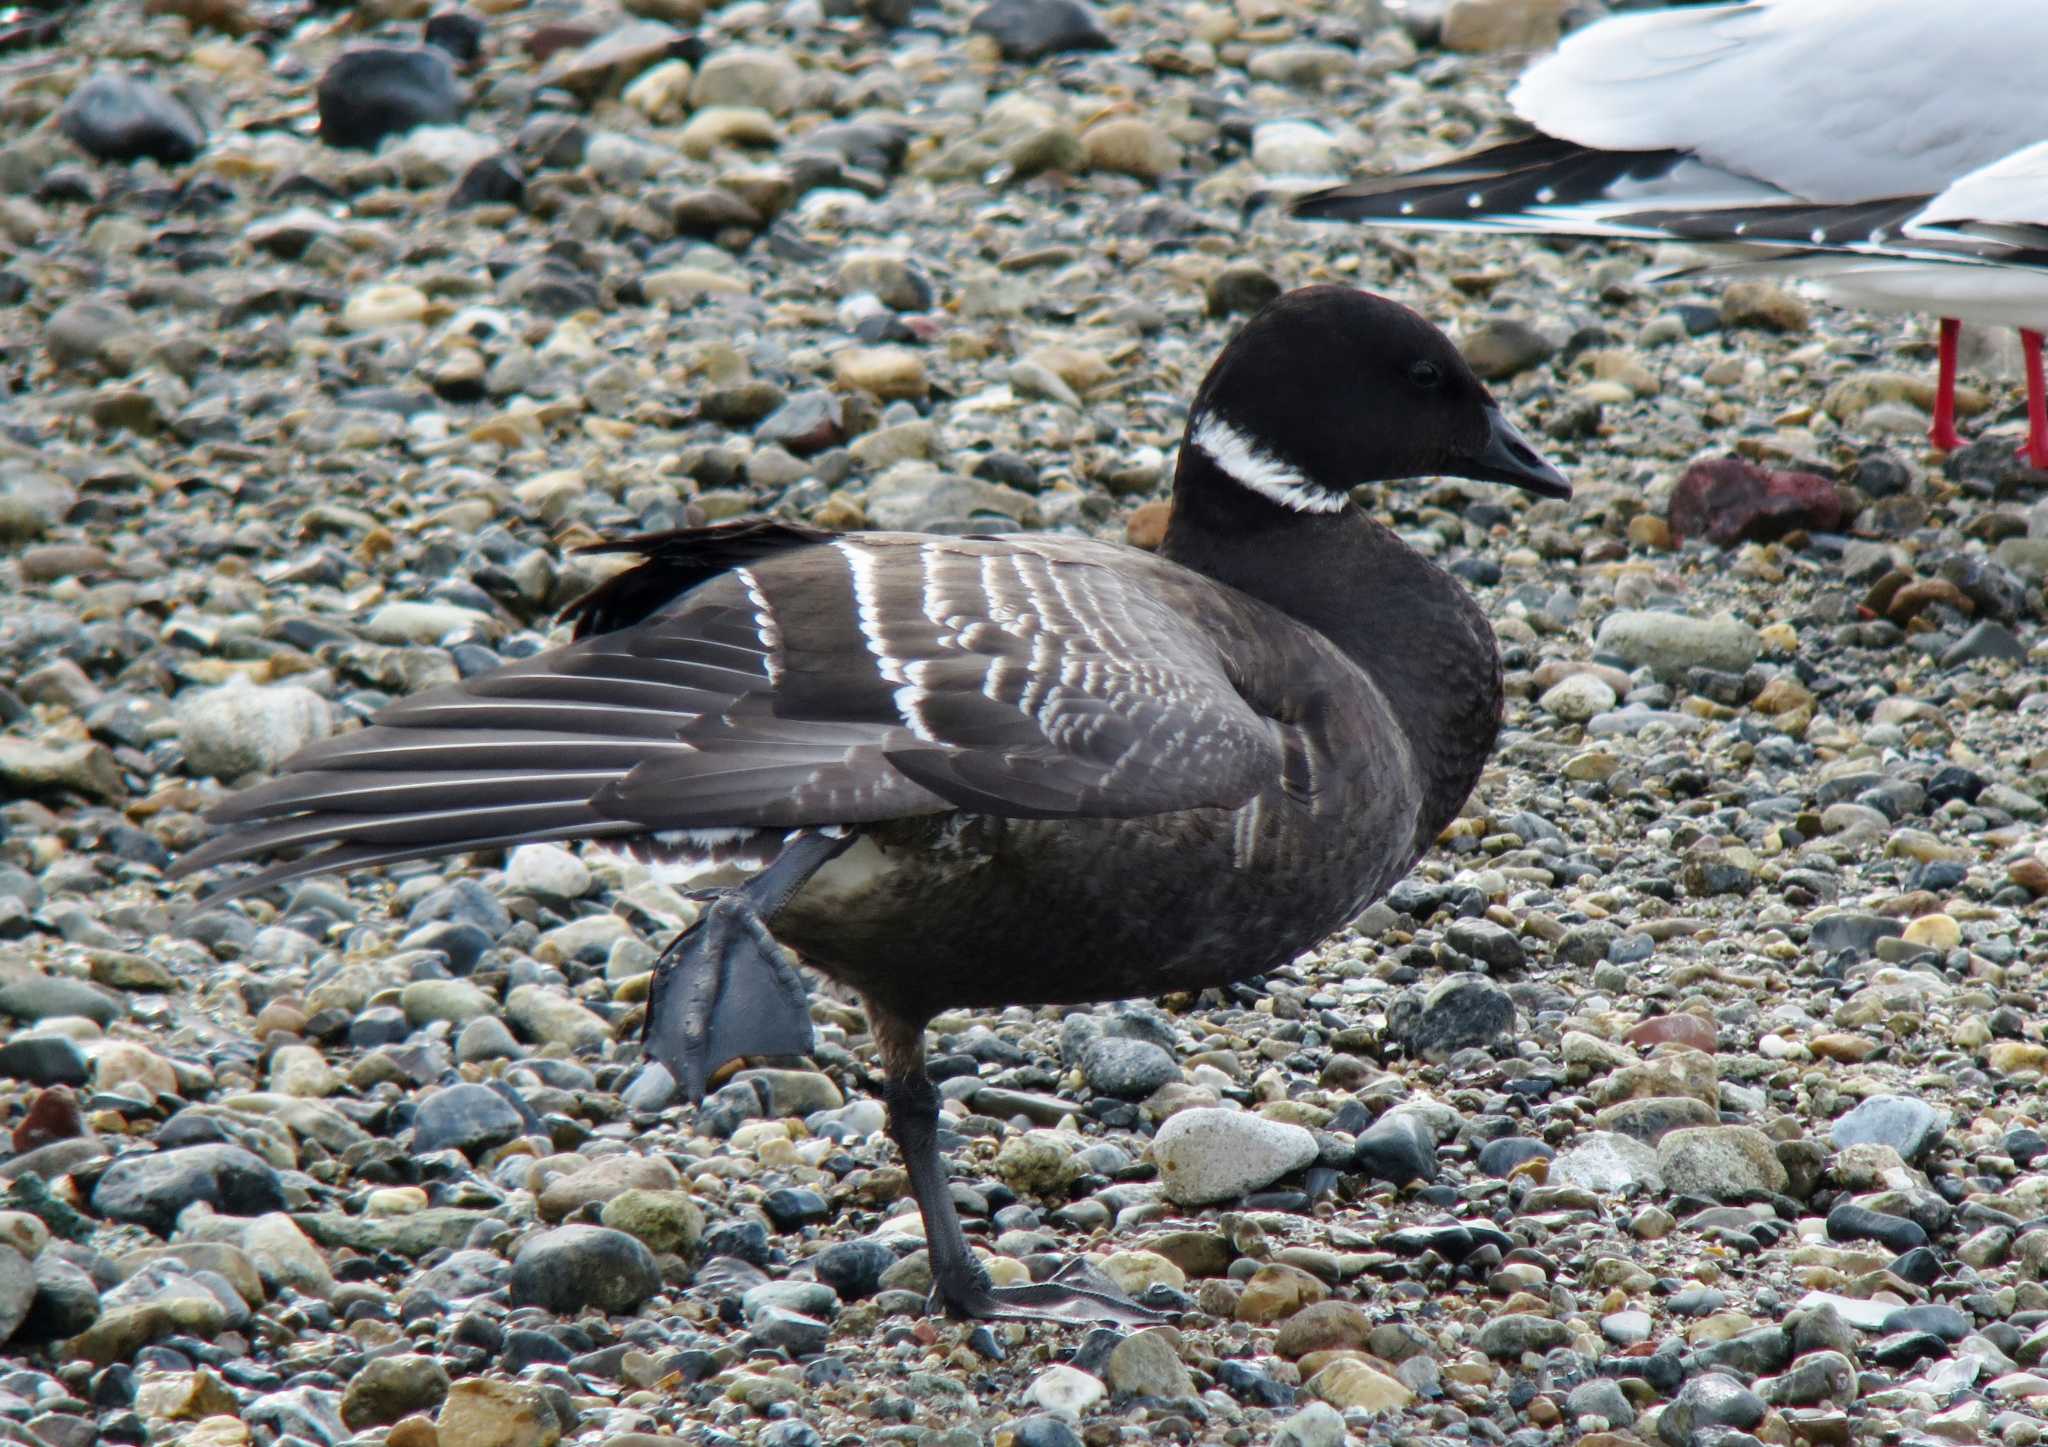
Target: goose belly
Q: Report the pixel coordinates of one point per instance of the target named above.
(964, 910)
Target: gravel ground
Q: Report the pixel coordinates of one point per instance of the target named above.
(1690, 1092)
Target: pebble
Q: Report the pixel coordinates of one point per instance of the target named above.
(467, 1118)
(1484, 26)
(1027, 30)
(1462, 1013)
(374, 91)
(1207, 1155)
(1735, 1162)
(480, 1412)
(1729, 500)
(1147, 1364)
(1578, 698)
(1295, 148)
(115, 116)
(1672, 643)
(1065, 1391)
(1502, 347)
(240, 728)
(305, 430)
(1908, 1125)
(571, 1268)
(1131, 1069)
(1707, 1402)
(151, 1190)
(1130, 146)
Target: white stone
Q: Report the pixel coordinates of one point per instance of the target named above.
(1607, 1161)
(432, 155)
(385, 304)
(748, 76)
(284, 1257)
(239, 728)
(424, 623)
(1317, 1425)
(1066, 1391)
(1212, 1154)
(622, 161)
(1577, 697)
(1296, 148)
(546, 872)
(1670, 643)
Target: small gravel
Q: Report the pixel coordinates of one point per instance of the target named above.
(1690, 1089)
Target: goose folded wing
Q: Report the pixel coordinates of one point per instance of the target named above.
(836, 685)
(997, 677)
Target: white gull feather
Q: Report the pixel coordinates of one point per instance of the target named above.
(1828, 100)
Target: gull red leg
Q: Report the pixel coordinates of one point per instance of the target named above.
(2036, 450)
(1943, 433)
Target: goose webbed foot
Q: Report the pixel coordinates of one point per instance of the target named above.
(1062, 1299)
(724, 988)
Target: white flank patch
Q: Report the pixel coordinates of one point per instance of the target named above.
(1243, 460)
(701, 838)
(701, 863)
(863, 867)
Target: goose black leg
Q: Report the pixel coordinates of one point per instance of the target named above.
(724, 988)
(957, 1280)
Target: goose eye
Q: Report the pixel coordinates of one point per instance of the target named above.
(1426, 375)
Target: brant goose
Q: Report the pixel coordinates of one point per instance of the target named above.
(1713, 111)
(979, 771)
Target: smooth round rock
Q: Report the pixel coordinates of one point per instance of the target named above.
(115, 116)
(374, 91)
(571, 1268)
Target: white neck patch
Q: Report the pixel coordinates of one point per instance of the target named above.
(1242, 460)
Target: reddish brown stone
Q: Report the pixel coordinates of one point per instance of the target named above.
(2030, 874)
(559, 35)
(1688, 1030)
(1727, 500)
(52, 1116)
(1923, 593)
(1146, 526)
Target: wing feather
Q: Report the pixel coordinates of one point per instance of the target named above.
(837, 683)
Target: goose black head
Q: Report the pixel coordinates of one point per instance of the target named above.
(1329, 387)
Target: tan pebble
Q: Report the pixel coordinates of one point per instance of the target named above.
(717, 128)
(1617, 364)
(1483, 27)
(661, 93)
(1146, 526)
(1782, 695)
(1646, 530)
(1760, 304)
(414, 1431)
(840, 513)
(119, 1062)
(887, 372)
(384, 305)
(2015, 1057)
(1130, 146)
(226, 1431)
(1842, 1046)
(1275, 1293)
(1350, 1383)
